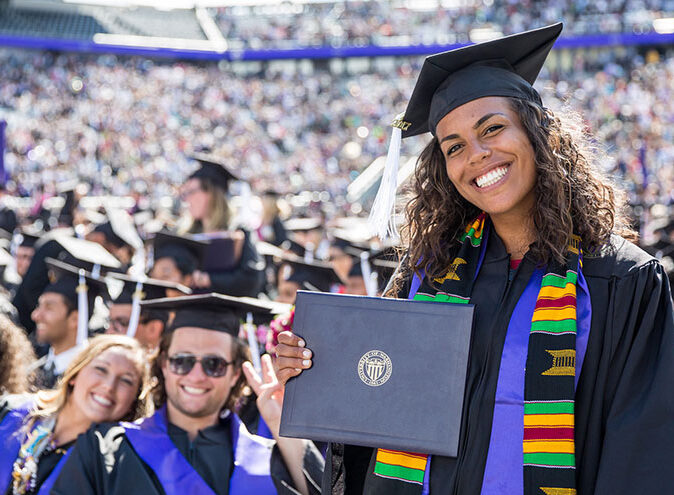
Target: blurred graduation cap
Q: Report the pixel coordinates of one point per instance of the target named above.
(505, 67)
(88, 255)
(187, 253)
(312, 275)
(79, 287)
(213, 169)
(216, 312)
(303, 224)
(134, 290)
(120, 229)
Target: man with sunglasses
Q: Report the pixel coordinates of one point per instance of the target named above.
(194, 443)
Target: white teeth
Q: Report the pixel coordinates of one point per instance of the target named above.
(491, 177)
(101, 400)
(194, 390)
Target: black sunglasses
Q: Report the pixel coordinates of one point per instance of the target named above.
(213, 366)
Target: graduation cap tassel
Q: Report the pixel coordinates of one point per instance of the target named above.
(135, 309)
(367, 274)
(382, 215)
(82, 309)
(252, 343)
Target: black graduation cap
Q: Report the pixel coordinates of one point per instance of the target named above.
(65, 280)
(151, 288)
(506, 66)
(185, 251)
(313, 275)
(212, 169)
(216, 312)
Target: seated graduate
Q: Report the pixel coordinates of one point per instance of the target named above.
(568, 386)
(62, 318)
(194, 443)
(107, 381)
(126, 315)
(239, 272)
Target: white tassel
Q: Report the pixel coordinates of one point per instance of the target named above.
(309, 253)
(252, 343)
(382, 216)
(370, 287)
(82, 310)
(135, 309)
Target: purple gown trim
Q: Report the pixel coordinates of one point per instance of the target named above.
(11, 443)
(504, 471)
(151, 441)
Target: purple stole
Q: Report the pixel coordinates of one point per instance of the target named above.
(11, 443)
(151, 441)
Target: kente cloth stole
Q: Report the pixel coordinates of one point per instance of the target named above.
(548, 443)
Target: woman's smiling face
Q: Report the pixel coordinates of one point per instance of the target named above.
(489, 157)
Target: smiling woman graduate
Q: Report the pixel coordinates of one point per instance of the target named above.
(107, 381)
(569, 378)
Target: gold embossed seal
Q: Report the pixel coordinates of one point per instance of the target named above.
(374, 368)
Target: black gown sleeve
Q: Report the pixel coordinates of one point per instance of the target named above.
(313, 471)
(246, 279)
(638, 401)
(82, 472)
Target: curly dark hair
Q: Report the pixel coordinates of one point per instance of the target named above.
(578, 198)
(240, 354)
(17, 357)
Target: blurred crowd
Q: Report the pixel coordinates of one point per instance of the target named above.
(126, 126)
(401, 23)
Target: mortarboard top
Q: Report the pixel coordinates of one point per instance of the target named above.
(6, 259)
(151, 289)
(506, 67)
(216, 312)
(303, 224)
(123, 227)
(180, 248)
(268, 249)
(213, 169)
(86, 254)
(65, 280)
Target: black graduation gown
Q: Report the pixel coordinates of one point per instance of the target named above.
(103, 461)
(624, 400)
(246, 279)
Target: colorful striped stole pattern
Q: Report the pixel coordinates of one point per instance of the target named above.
(548, 446)
(401, 466)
